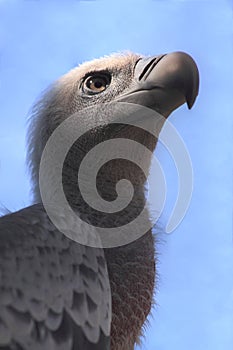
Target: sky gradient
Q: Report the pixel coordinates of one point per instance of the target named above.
(40, 41)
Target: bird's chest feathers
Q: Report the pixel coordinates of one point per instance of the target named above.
(131, 271)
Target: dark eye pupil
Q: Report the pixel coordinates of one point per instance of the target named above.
(98, 84)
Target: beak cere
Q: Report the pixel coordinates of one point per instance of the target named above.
(164, 82)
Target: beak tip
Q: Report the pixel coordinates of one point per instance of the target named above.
(190, 103)
(191, 98)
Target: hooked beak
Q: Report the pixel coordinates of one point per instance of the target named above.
(164, 82)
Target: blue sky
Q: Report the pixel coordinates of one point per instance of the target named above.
(39, 41)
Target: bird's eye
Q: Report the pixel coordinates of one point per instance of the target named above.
(97, 83)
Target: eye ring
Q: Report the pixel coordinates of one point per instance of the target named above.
(96, 83)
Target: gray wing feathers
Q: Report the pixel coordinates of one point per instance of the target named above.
(53, 291)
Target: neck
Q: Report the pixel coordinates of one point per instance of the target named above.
(108, 176)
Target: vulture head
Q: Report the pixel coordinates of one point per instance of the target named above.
(161, 83)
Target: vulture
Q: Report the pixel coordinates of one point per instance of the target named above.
(62, 293)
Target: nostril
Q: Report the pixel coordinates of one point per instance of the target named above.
(146, 68)
(149, 66)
